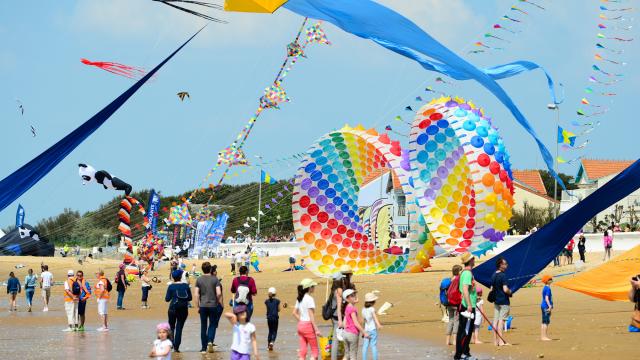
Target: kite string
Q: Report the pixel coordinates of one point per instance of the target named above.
(244, 133)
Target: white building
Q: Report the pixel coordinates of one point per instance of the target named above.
(592, 175)
(380, 184)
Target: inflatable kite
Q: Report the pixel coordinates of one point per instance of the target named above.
(461, 175)
(25, 241)
(609, 281)
(89, 174)
(325, 202)
(127, 71)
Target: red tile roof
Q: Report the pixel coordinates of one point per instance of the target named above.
(530, 178)
(596, 169)
(544, 195)
(376, 173)
(373, 175)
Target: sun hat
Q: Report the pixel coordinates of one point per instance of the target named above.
(546, 278)
(346, 269)
(466, 257)
(272, 290)
(163, 326)
(307, 283)
(71, 273)
(370, 297)
(239, 309)
(347, 293)
(337, 276)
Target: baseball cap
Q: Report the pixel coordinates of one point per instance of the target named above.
(71, 273)
(272, 290)
(307, 283)
(347, 293)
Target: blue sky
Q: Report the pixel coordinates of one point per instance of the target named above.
(226, 68)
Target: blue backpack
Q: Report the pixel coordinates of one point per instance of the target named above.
(444, 286)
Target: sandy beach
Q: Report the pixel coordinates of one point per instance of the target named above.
(582, 327)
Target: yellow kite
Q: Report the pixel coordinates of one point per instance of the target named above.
(254, 6)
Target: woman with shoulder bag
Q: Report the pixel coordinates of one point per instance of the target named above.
(178, 296)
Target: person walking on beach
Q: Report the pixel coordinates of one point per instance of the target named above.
(502, 304)
(46, 281)
(178, 296)
(208, 298)
(244, 289)
(452, 309)
(30, 287)
(13, 288)
(582, 247)
(465, 324)
(352, 325)
(304, 312)
(244, 334)
(72, 292)
(85, 294)
(145, 286)
(273, 316)
(341, 283)
(371, 326)
(546, 306)
(121, 286)
(103, 286)
(608, 243)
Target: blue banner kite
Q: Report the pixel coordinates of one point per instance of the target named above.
(152, 211)
(21, 180)
(531, 255)
(19, 216)
(370, 20)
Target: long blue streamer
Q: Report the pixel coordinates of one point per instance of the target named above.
(531, 255)
(21, 180)
(370, 20)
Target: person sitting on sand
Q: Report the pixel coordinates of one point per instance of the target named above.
(546, 306)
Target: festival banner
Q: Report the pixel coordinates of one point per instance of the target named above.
(19, 216)
(152, 211)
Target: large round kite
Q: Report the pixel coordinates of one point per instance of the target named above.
(461, 175)
(325, 202)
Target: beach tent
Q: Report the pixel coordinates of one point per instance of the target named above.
(609, 281)
(25, 241)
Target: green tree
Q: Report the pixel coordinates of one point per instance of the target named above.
(549, 180)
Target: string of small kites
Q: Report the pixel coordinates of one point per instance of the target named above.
(274, 95)
(606, 72)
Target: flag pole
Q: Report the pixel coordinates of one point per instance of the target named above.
(259, 202)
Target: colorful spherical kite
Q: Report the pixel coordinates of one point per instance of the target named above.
(325, 202)
(461, 175)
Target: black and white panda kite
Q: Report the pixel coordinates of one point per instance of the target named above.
(89, 174)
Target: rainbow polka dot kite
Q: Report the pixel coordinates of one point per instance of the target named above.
(325, 202)
(456, 177)
(461, 175)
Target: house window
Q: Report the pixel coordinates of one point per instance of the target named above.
(402, 206)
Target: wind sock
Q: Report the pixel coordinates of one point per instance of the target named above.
(506, 17)
(490, 35)
(600, 58)
(498, 26)
(566, 137)
(602, 36)
(481, 44)
(266, 178)
(597, 68)
(515, 8)
(600, 46)
(604, 8)
(606, 83)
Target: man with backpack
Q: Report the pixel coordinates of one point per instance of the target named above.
(244, 288)
(85, 293)
(467, 292)
(72, 292)
(451, 305)
(103, 288)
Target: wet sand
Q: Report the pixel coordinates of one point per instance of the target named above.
(582, 327)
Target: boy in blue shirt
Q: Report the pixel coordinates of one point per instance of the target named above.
(546, 306)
